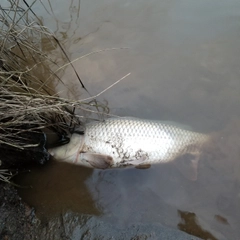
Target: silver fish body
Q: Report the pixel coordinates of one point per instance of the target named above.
(118, 142)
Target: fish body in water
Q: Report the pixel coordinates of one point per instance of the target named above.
(119, 142)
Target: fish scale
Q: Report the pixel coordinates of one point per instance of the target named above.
(117, 142)
(154, 141)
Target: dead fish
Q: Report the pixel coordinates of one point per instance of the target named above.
(120, 142)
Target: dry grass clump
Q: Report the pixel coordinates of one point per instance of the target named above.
(5, 175)
(28, 74)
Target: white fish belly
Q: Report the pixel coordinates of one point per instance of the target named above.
(136, 141)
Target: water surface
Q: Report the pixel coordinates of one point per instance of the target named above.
(184, 62)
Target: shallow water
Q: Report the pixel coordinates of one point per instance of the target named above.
(184, 62)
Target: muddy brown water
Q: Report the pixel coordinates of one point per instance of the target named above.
(184, 62)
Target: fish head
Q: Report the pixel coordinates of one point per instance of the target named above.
(73, 153)
(70, 151)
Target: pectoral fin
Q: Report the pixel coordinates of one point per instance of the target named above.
(187, 164)
(97, 160)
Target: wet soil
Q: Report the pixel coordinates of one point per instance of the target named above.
(17, 219)
(19, 222)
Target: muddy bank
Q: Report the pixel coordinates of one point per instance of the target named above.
(18, 221)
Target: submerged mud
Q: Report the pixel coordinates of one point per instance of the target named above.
(18, 221)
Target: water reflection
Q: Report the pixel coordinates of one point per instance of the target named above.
(129, 195)
(183, 56)
(57, 187)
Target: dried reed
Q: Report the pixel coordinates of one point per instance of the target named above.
(28, 102)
